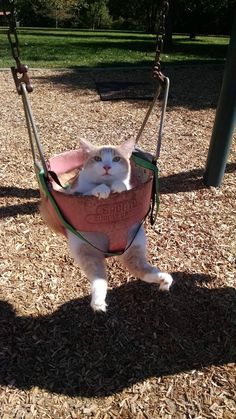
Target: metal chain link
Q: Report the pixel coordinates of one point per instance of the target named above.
(160, 39)
(9, 11)
(12, 34)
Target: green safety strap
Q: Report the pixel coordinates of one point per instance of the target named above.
(140, 161)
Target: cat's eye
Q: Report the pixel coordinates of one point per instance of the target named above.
(97, 158)
(116, 158)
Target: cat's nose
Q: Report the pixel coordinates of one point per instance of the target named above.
(106, 168)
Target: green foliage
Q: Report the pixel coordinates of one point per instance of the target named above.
(196, 16)
(60, 10)
(95, 14)
(33, 13)
(143, 13)
(47, 12)
(204, 16)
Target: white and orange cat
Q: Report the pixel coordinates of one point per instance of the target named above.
(106, 170)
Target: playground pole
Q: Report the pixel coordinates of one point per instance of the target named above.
(225, 120)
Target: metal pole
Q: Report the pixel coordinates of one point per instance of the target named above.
(163, 113)
(225, 120)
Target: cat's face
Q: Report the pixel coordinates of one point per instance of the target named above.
(107, 163)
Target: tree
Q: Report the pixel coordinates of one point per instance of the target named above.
(191, 16)
(60, 10)
(202, 16)
(143, 13)
(47, 12)
(31, 13)
(169, 25)
(95, 14)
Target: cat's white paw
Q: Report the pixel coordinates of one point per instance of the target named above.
(99, 305)
(118, 186)
(101, 191)
(163, 279)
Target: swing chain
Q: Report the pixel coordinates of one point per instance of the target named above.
(160, 40)
(20, 69)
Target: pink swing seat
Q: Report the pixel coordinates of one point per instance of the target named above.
(112, 216)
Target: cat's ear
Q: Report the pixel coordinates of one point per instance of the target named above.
(127, 147)
(86, 146)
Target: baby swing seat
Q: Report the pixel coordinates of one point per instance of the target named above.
(113, 216)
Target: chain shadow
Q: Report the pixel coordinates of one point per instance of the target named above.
(21, 209)
(144, 334)
(29, 207)
(6, 191)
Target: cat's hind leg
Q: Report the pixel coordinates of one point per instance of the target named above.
(136, 261)
(92, 263)
(94, 268)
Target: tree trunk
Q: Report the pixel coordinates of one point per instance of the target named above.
(169, 27)
(56, 19)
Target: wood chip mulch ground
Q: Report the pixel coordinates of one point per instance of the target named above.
(152, 355)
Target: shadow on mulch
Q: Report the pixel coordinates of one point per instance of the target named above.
(187, 181)
(18, 192)
(191, 86)
(144, 334)
(125, 90)
(179, 182)
(18, 209)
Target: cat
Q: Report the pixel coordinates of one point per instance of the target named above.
(107, 170)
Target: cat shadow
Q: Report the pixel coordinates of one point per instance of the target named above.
(144, 334)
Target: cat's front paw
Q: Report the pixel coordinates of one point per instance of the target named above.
(163, 279)
(118, 187)
(101, 191)
(99, 304)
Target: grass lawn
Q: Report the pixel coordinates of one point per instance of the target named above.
(52, 48)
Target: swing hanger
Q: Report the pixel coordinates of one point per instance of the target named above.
(70, 211)
(20, 71)
(163, 82)
(23, 84)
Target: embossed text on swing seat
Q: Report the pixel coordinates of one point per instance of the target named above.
(113, 212)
